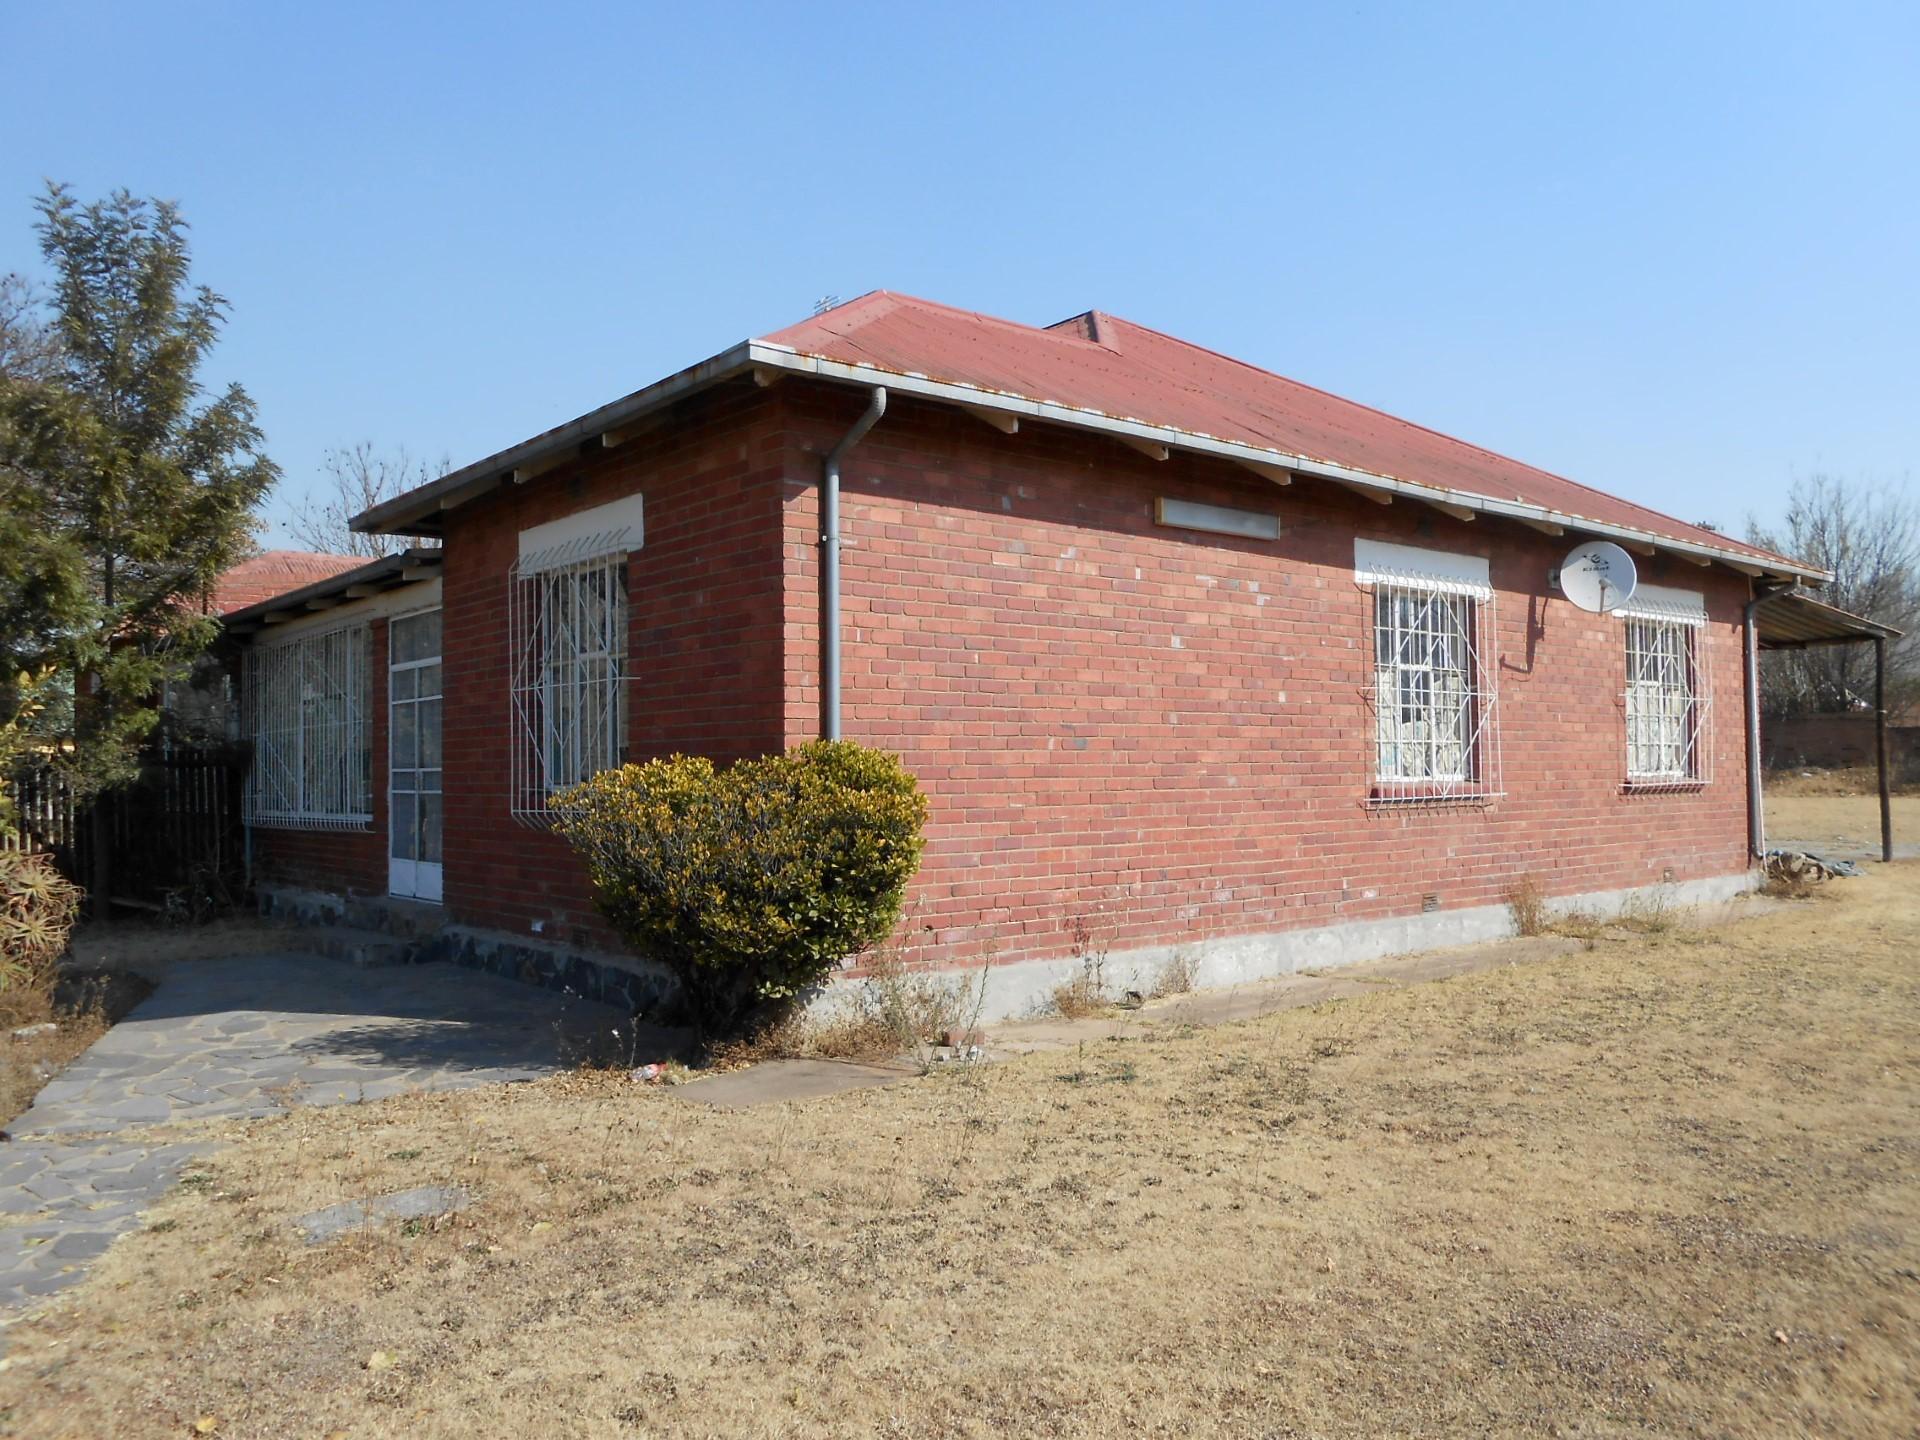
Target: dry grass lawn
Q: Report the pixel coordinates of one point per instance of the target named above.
(1664, 1185)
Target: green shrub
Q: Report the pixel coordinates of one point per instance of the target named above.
(750, 883)
(37, 907)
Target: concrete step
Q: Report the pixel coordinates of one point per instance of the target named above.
(369, 949)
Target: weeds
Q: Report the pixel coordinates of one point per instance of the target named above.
(1583, 925)
(1086, 993)
(1528, 903)
(1176, 977)
(1648, 912)
(896, 1011)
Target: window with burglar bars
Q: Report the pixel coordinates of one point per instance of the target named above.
(1435, 732)
(306, 706)
(568, 618)
(1666, 704)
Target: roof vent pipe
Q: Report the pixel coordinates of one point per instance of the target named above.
(830, 565)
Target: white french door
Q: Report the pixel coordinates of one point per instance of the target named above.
(414, 814)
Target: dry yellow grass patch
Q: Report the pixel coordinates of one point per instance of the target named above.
(1667, 1186)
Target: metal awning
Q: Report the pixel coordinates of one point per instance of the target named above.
(1793, 619)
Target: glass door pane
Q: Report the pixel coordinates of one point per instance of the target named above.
(413, 754)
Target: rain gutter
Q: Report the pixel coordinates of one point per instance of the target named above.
(830, 563)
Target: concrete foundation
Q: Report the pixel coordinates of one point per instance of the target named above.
(1023, 988)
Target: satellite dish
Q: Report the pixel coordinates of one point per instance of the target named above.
(1598, 576)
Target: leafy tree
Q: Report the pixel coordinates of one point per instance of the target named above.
(358, 479)
(1869, 537)
(42, 582)
(125, 486)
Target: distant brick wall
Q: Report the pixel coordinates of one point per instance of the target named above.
(1829, 742)
(1166, 735)
(704, 638)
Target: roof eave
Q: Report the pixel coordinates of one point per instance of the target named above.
(388, 571)
(417, 512)
(765, 355)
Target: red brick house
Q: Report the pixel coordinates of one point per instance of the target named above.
(1185, 654)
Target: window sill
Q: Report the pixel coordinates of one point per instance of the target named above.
(1433, 799)
(309, 822)
(1644, 784)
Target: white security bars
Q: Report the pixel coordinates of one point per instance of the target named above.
(1667, 704)
(567, 613)
(305, 704)
(1436, 726)
(1668, 699)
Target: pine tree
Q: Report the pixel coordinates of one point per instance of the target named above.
(134, 485)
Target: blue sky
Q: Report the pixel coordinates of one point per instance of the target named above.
(1673, 251)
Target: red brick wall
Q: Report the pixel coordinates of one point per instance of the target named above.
(1155, 734)
(1167, 735)
(705, 639)
(347, 862)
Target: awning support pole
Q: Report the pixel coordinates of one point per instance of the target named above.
(1880, 746)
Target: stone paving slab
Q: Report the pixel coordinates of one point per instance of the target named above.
(421, 1203)
(231, 1039)
(63, 1204)
(235, 1038)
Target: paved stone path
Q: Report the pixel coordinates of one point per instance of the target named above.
(233, 1038)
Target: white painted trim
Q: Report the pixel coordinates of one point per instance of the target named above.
(1378, 562)
(617, 527)
(1025, 988)
(420, 595)
(1665, 602)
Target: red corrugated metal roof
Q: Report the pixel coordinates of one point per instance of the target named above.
(1099, 362)
(275, 572)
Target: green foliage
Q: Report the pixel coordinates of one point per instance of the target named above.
(36, 917)
(750, 883)
(17, 738)
(125, 490)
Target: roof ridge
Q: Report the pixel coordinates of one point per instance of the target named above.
(899, 298)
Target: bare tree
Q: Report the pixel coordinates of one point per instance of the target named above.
(28, 346)
(1868, 535)
(354, 480)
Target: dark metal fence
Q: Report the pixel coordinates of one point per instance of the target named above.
(173, 835)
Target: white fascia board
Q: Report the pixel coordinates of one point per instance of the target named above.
(420, 595)
(392, 517)
(784, 357)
